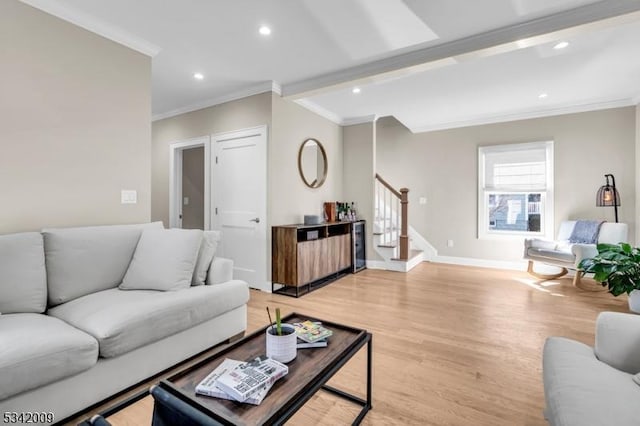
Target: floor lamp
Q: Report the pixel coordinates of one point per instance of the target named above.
(608, 195)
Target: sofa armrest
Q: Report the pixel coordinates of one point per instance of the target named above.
(583, 251)
(618, 341)
(221, 271)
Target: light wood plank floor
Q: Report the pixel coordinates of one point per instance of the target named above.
(452, 345)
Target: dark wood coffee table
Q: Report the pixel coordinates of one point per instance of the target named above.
(308, 373)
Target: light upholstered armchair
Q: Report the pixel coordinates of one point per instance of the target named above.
(595, 386)
(566, 255)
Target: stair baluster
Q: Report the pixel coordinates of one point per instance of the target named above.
(392, 212)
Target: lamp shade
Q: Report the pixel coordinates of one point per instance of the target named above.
(607, 196)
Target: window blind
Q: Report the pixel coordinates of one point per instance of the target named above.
(515, 170)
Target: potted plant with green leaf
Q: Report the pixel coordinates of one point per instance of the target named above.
(281, 340)
(617, 266)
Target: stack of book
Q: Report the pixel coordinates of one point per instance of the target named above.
(312, 334)
(247, 382)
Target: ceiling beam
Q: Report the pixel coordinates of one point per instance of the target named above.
(540, 30)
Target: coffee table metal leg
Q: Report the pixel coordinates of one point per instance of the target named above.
(366, 404)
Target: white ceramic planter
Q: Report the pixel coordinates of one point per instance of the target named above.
(282, 348)
(634, 301)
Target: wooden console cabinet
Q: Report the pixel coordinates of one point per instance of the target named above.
(308, 255)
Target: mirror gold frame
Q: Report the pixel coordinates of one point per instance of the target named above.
(319, 180)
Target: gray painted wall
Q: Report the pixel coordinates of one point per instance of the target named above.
(359, 172)
(75, 126)
(443, 167)
(289, 198)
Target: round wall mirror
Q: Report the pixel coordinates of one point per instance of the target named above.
(312, 163)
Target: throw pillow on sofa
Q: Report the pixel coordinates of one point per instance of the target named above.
(207, 251)
(163, 260)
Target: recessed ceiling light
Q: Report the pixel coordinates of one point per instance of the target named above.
(542, 95)
(264, 30)
(356, 90)
(198, 76)
(561, 45)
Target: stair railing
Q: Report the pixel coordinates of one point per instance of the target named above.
(393, 212)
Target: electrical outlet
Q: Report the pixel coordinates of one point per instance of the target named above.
(449, 243)
(128, 196)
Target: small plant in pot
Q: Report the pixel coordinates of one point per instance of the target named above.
(617, 266)
(281, 340)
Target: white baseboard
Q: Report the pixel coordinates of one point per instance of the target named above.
(516, 265)
(376, 264)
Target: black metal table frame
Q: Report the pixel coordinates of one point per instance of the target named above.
(366, 404)
(301, 398)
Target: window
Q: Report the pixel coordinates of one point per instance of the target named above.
(515, 193)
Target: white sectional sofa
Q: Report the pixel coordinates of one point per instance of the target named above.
(74, 327)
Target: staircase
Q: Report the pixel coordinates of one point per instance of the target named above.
(391, 228)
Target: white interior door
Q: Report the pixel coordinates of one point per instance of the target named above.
(239, 207)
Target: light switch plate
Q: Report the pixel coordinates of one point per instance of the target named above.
(422, 200)
(128, 196)
(185, 202)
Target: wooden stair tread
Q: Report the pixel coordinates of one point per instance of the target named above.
(412, 254)
(390, 244)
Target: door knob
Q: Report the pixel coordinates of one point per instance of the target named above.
(256, 220)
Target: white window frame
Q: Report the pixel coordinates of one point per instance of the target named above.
(547, 220)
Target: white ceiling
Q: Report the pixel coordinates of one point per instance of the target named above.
(319, 50)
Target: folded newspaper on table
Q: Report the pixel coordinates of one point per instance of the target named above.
(243, 381)
(209, 387)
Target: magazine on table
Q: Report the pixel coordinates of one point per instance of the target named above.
(311, 332)
(248, 378)
(317, 344)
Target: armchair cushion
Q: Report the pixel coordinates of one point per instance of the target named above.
(561, 252)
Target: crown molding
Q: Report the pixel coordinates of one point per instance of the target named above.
(524, 115)
(322, 112)
(276, 88)
(256, 89)
(90, 23)
(351, 121)
(517, 36)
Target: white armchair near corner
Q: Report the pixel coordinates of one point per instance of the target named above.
(560, 252)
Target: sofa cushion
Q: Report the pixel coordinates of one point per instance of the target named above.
(23, 278)
(122, 320)
(206, 253)
(164, 260)
(84, 260)
(37, 349)
(581, 390)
